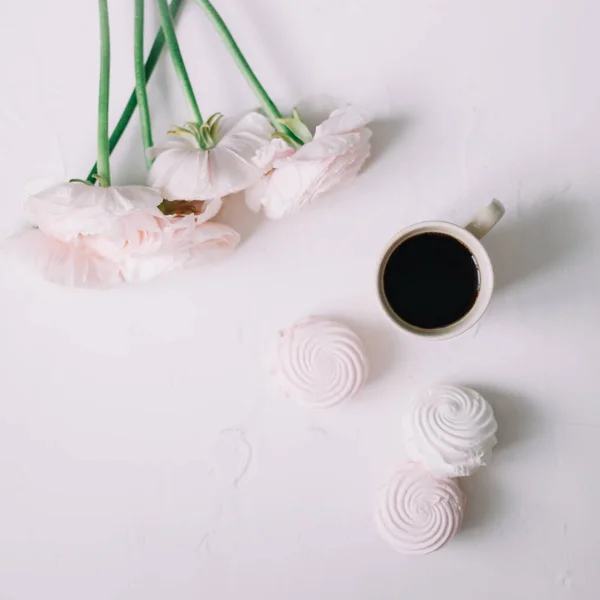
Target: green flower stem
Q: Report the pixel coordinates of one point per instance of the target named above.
(103, 152)
(173, 45)
(268, 105)
(140, 78)
(151, 62)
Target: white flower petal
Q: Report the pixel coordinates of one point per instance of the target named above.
(288, 188)
(188, 243)
(211, 210)
(335, 155)
(207, 243)
(70, 264)
(183, 171)
(277, 149)
(342, 120)
(327, 147)
(255, 194)
(253, 127)
(175, 142)
(147, 267)
(68, 210)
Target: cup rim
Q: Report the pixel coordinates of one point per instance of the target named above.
(484, 267)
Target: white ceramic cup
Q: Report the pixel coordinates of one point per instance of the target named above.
(470, 237)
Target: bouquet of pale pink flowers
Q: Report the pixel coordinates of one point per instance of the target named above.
(92, 233)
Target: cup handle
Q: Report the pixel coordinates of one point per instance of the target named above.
(486, 218)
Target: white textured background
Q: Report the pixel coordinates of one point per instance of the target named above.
(144, 454)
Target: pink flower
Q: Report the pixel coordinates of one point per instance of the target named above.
(185, 171)
(94, 236)
(67, 210)
(334, 155)
(186, 241)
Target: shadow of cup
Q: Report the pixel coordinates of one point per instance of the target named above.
(536, 241)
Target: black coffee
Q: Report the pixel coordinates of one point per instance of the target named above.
(431, 280)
